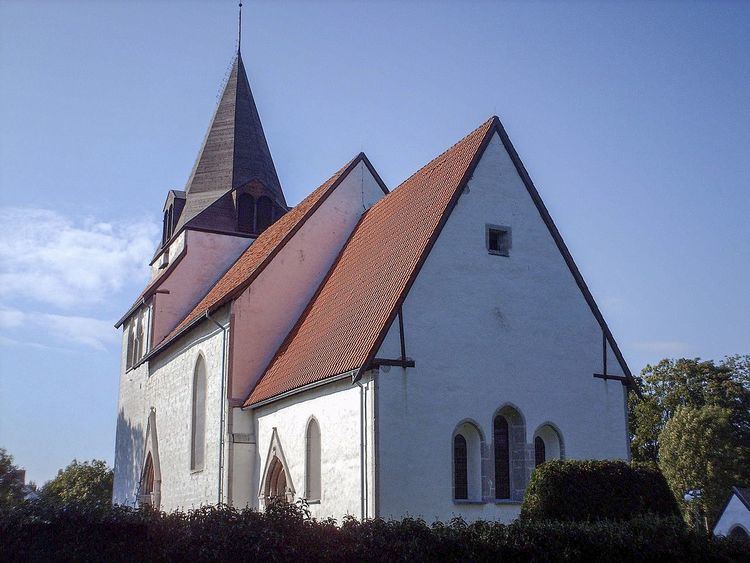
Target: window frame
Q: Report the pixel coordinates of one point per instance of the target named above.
(310, 497)
(196, 440)
(505, 239)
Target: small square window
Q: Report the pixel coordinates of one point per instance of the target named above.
(498, 240)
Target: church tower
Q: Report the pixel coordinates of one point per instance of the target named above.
(233, 187)
(232, 195)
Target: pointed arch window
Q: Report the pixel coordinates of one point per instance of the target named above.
(264, 214)
(245, 213)
(198, 437)
(501, 438)
(146, 497)
(312, 462)
(460, 468)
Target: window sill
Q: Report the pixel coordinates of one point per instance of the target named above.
(508, 502)
(498, 253)
(312, 501)
(194, 471)
(467, 501)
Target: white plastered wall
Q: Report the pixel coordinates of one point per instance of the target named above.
(208, 256)
(341, 409)
(165, 384)
(485, 331)
(267, 311)
(735, 514)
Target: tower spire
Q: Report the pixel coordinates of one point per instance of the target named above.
(239, 30)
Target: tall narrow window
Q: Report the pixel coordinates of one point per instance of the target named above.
(460, 468)
(502, 458)
(130, 352)
(146, 497)
(198, 446)
(245, 211)
(540, 455)
(264, 214)
(312, 477)
(165, 228)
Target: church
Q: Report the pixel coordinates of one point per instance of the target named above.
(375, 351)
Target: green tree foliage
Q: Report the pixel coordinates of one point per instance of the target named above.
(11, 485)
(698, 453)
(688, 382)
(86, 483)
(697, 390)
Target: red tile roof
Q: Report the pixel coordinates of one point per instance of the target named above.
(344, 324)
(260, 252)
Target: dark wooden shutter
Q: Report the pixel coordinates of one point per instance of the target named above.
(502, 458)
(460, 468)
(265, 213)
(245, 211)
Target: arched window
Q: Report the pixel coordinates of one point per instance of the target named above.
(130, 353)
(245, 212)
(739, 533)
(137, 338)
(540, 455)
(501, 436)
(547, 444)
(467, 462)
(165, 228)
(511, 466)
(264, 214)
(198, 438)
(460, 468)
(312, 465)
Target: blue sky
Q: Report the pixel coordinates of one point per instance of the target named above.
(632, 119)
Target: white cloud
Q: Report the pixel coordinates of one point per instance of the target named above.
(52, 259)
(63, 329)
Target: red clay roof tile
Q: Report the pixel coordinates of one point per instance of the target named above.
(346, 320)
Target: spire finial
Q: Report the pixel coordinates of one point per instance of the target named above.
(239, 31)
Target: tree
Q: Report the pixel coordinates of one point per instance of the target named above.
(11, 481)
(698, 455)
(688, 382)
(88, 483)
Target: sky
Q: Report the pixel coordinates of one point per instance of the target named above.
(632, 119)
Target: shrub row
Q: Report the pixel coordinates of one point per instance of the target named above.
(593, 489)
(284, 532)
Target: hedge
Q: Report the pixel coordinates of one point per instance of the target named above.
(591, 490)
(34, 532)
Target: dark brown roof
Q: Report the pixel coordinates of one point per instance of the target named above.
(234, 153)
(344, 324)
(251, 262)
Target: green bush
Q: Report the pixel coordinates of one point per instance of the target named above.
(591, 490)
(51, 532)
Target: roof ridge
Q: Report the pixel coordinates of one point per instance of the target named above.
(449, 149)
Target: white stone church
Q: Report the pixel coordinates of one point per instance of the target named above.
(376, 352)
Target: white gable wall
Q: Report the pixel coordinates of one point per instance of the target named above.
(268, 310)
(208, 256)
(735, 514)
(485, 331)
